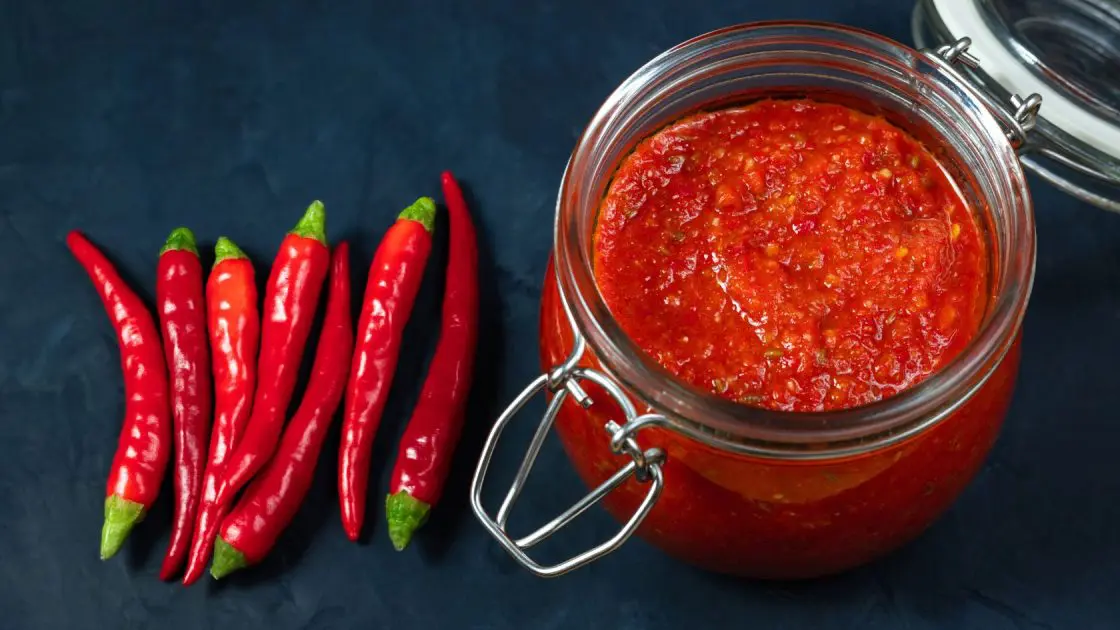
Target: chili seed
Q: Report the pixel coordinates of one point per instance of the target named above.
(946, 317)
(676, 236)
(830, 336)
(773, 353)
(821, 357)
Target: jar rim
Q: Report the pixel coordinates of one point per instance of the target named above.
(786, 434)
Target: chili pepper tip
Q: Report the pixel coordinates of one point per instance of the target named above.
(314, 223)
(226, 249)
(227, 559)
(423, 211)
(405, 514)
(120, 516)
(181, 238)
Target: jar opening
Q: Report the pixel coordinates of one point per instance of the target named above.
(830, 63)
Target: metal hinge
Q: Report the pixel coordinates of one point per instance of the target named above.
(1018, 119)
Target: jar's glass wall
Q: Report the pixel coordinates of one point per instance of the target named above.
(829, 63)
(779, 518)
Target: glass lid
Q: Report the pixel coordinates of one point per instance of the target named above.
(1068, 52)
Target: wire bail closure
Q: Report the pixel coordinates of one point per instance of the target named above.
(563, 382)
(1017, 121)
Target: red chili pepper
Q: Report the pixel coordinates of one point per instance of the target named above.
(145, 440)
(270, 502)
(231, 299)
(182, 317)
(424, 456)
(290, 299)
(394, 279)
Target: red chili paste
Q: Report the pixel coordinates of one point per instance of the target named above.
(791, 254)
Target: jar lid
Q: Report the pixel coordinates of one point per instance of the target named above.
(1066, 51)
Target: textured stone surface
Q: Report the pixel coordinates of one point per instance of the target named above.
(127, 119)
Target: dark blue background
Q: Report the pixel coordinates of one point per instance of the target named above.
(126, 119)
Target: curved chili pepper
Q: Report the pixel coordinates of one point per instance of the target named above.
(182, 318)
(145, 440)
(231, 299)
(290, 298)
(270, 502)
(394, 279)
(424, 455)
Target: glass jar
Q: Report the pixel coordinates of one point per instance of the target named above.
(750, 491)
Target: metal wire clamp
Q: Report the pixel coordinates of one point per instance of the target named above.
(563, 382)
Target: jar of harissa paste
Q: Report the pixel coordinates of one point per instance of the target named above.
(780, 329)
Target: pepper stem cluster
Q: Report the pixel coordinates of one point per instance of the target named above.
(120, 517)
(227, 559)
(180, 239)
(405, 514)
(313, 224)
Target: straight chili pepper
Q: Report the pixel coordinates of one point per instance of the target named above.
(394, 279)
(182, 318)
(424, 455)
(231, 305)
(271, 500)
(290, 298)
(145, 440)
